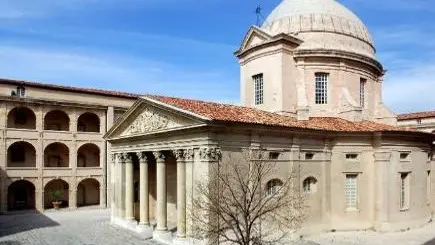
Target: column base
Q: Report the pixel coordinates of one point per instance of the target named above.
(183, 241)
(163, 236)
(145, 230)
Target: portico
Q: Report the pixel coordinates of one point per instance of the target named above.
(123, 200)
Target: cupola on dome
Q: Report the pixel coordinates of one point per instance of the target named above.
(321, 24)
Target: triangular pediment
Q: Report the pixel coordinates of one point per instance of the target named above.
(146, 117)
(254, 37)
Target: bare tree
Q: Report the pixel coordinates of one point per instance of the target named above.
(239, 203)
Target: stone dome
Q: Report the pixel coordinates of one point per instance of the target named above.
(321, 24)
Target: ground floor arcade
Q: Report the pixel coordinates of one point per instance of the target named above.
(23, 194)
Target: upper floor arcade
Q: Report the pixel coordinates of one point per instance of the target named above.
(52, 118)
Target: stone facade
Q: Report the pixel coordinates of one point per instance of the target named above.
(422, 121)
(51, 140)
(167, 176)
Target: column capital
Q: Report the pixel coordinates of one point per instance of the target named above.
(113, 157)
(179, 154)
(160, 157)
(188, 154)
(125, 158)
(142, 157)
(210, 154)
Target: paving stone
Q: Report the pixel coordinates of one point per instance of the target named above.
(84, 227)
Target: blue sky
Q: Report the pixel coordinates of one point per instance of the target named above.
(185, 47)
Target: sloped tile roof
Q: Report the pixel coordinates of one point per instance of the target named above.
(240, 114)
(70, 88)
(416, 115)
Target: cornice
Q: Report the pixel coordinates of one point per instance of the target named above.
(56, 102)
(340, 54)
(278, 39)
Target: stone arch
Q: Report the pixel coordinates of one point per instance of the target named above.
(56, 155)
(21, 154)
(273, 186)
(56, 120)
(309, 185)
(88, 192)
(53, 187)
(21, 195)
(21, 118)
(88, 155)
(88, 122)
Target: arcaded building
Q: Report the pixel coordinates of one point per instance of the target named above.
(311, 95)
(421, 121)
(311, 90)
(52, 141)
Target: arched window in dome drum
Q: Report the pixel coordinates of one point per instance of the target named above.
(321, 95)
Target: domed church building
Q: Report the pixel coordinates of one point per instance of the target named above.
(311, 94)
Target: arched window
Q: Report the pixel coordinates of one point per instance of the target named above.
(273, 186)
(56, 120)
(22, 118)
(310, 185)
(88, 122)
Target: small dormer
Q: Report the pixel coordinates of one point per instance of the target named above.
(20, 91)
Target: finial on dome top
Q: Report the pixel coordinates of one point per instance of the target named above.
(260, 16)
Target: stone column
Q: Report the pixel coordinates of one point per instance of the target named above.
(119, 186)
(143, 189)
(189, 159)
(210, 157)
(181, 193)
(129, 188)
(161, 192)
(112, 186)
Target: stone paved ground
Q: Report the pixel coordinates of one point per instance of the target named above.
(421, 236)
(91, 227)
(82, 227)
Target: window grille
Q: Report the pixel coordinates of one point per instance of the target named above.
(322, 88)
(258, 84)
(404, 190)
(351, 192)
(362, 91)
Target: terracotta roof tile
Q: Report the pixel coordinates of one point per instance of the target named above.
(70, 88)
(416, 115)
(240, 114)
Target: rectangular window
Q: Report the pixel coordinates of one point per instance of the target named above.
(351, 156)
(273, 155)
(258, 84)
(21, 91)
(404, 191)
(362, 92)
(322, 88)
(351, 191)
(428, 188)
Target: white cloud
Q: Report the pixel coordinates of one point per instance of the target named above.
(31, 9)
(411, 89)
(115, 72)
(400, 5)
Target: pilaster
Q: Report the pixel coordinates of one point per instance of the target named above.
(382, 189)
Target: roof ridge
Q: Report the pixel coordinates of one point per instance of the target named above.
(70, 88)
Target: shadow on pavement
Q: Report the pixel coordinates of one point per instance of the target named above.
(431, 242)
(10, 243)
(19, 222)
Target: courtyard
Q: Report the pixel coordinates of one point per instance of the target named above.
(81, 227)
(92, 227)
